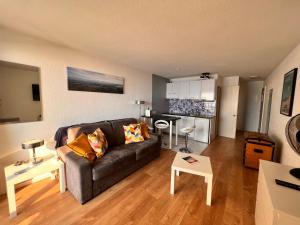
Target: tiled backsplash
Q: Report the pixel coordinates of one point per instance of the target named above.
(192, 107)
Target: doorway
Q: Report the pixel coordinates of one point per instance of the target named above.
(265, 122)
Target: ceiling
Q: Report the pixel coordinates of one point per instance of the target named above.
(167, 37)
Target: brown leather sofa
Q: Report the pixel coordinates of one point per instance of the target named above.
(85, 180)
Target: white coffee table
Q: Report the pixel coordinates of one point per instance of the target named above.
(200, 168)
(50, 164)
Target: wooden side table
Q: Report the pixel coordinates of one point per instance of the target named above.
(18, 174)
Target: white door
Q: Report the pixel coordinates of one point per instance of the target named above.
(265, 122)
(228, 111)
(201, 130)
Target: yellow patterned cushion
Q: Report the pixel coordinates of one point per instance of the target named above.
(133, 133)
(81, 147)
(98, 142)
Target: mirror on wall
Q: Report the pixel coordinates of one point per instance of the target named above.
(20, 99)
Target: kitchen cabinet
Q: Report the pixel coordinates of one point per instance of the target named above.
(208, 89)
(183, 89)
(186, 121)
(179, 90)
(171, 91)
(202, 130)
(195, 89)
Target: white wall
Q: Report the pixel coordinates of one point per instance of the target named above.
(253, 101)
(277, 121)
(16, 93)
(230, 81)
(62, 107)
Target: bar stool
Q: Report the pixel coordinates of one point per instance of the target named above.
(161, 125)
(186, 131)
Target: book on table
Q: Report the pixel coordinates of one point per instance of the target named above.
(190, 159)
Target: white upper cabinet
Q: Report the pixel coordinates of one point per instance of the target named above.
(208, 89)
(195, 89)
(183, 89)
(178, 90)
(171, 91)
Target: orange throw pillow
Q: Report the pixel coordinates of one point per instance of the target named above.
(82, 147)
(145, 130)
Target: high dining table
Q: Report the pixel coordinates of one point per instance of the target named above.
(172, 120)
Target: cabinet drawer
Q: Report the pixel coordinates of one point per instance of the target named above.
(259, 151)
(255, 152)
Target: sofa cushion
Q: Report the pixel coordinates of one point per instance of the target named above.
(145, 130)
(133, 133)
(82, 147)
(116, 159)
(144, 148)
(104, 126)
(98, 142)
(118, 131)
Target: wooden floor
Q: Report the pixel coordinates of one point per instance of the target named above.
(143, 197)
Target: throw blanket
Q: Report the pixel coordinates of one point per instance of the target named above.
(61, 136)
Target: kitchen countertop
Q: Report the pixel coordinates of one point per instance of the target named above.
(196, 116)
(168, 117)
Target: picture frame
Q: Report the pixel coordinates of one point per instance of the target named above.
(90, 81)
(288, 92)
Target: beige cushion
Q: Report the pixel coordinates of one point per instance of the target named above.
(62, 151)
(72, 134)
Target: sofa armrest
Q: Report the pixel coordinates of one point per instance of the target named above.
(79, 177)
(155, 135)
(62, 152)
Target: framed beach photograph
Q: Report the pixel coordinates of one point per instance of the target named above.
(288, 91)
(84, 80)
